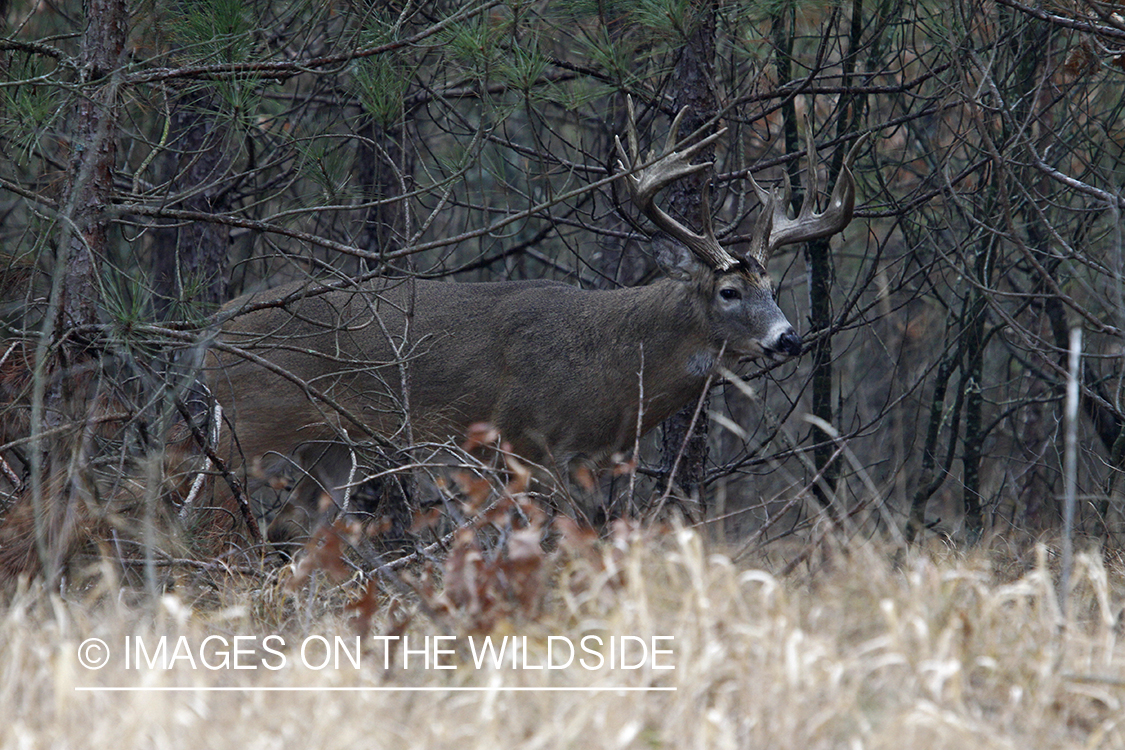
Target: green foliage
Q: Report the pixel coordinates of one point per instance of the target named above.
(214, 31)
(28, 108)
(590, 9)
(576, 95)
(671, 19)
(124, 295)
(326, 165)
(654, 19)
(381, 83)
(522, 68)
(473, 47)
(616, 58)
(217, 32)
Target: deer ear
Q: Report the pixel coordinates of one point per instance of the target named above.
(675, 259)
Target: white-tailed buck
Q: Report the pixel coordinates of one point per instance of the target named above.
(558, 370)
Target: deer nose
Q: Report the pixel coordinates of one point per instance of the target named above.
(790, 343)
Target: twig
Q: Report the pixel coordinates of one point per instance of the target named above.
(640, 423)
(236, 487)
(1070, 463)
(687, 435)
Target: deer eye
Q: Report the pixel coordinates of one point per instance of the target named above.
(729, 293)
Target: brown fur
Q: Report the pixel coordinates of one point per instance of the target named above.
(554, 368)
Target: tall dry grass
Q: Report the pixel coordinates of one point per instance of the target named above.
(942, 651)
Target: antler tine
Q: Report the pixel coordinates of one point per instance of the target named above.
(669, 167)
(809, 225)
(674, 131)
(759, 243)
(631, 133)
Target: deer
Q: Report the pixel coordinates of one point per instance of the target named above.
(302, 373)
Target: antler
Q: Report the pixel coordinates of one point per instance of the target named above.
(778, 229)
(645, 183)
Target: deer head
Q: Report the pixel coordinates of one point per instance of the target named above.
(745, 313)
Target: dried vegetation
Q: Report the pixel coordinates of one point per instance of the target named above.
(851, 650)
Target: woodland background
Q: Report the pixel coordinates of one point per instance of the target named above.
(157, 159)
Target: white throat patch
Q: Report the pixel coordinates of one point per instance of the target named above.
(700, 364)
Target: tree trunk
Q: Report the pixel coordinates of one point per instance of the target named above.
(693, 86)
(384, 170)
(58, 487)
(189, 260)
(89, 183)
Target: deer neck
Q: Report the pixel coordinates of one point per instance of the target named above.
(679, 352)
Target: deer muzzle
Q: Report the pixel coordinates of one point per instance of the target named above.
(788, 343)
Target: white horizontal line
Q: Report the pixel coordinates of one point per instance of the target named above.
(328, 689)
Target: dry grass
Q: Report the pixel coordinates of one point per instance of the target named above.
(945, 651)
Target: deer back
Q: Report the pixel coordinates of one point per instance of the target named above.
(555, 368)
